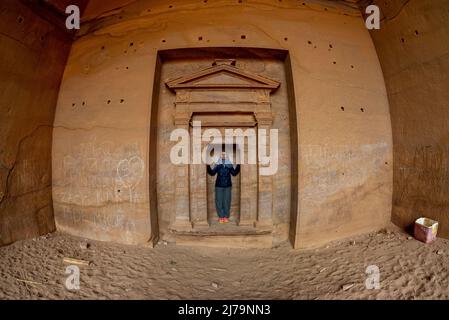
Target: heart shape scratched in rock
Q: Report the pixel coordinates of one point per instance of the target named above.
(130, 171)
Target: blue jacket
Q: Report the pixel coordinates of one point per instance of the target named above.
(224, 174)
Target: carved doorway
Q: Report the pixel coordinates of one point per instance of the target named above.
(222, 95)
(254, 92)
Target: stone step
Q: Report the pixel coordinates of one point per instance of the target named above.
(261, 240)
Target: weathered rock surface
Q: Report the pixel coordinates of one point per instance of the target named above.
(32, 61)
(414, 53)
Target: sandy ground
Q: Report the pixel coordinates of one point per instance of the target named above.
(34, 269)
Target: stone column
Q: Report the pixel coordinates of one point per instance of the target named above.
(248, 192)
(182, 202)
(198, 194)
(265, 185)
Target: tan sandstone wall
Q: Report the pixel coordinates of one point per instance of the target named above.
(413, 48)
(103, 185)
(32, 59)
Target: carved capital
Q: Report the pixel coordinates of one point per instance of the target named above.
(262, 96)
(182, 96)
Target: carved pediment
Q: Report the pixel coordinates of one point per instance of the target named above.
(222, 75)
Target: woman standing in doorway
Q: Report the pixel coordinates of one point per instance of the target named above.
(223, 186)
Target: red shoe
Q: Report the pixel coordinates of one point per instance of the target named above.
(225, 220)
(221, 220)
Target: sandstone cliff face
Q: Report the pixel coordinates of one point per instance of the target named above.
(414, 52)
(32, 59)
(338, 181)
(105, 184)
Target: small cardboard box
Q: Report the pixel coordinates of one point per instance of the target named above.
(426, 229)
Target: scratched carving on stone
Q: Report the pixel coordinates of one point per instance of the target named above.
(96, 179)
(328, 169)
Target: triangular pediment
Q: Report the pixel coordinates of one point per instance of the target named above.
(222, 76)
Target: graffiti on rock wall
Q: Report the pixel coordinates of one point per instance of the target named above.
(423, 173)
(329, 169)
(100, 178)
(103, 218)
(99, 173)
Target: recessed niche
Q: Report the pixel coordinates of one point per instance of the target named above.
(242, 36)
